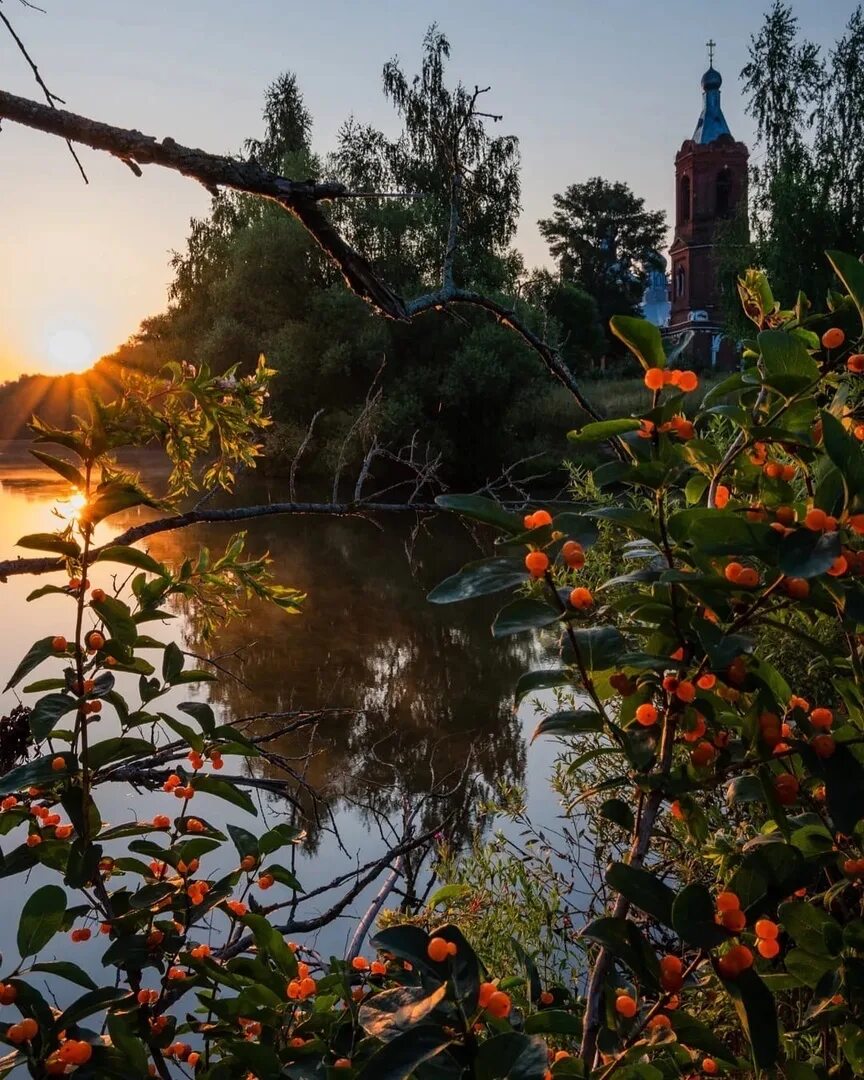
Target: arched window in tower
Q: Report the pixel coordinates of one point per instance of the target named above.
(680, 280)
(723, 193)
(684, 196)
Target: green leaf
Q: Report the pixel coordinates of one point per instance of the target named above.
(448, 893)
(627, 944)
(399, 1059)
(271, 943)
(118, 749)
(406, 942)
(47, 712)
(279, 837)
(36, 772)
(845, 451)
(523, 615)
(602, 430)
(532, 681)
(644, 889)
(553, 1022)
(805, 553)
(808, 968)
(39, 651)
(810, 927)
(130, 556)
(569, 722)
(511, 1056)
(50, 542)
(788, 366)
(151, 895)
(113, 496)
(642, 338)
(619, 812)
(757, 1014)
(480, 579)
(481, 509)
(600, 647)
(245, 841)
(47, 590)
(64, 969)
(223, 790)
(693, 918)
(117, 618)
(388, 1014)
(64, 468)
(172, 662)
(851, 273)
(94, 1001)
(698, 1036)
(41, 918)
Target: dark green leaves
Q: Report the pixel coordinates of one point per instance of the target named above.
(38, 771)
(757, 1013)
(523, 615)
(39, 651)
(643, 889)
(47, 711)
(532, 681)
(118, 620)
(511, 1056)
(130, 556)
(397, 1060)
(806, 554)
(851, 273)
(642, 338)
(602, 430)
(599, 647)
(569, 722)
(481, 509)
(50, 542)
(391, 1012)
(41, 918)
(693, 918)
(59, 465)
(698, 1036)
(223, 790)
(788, 366)
(480, 579)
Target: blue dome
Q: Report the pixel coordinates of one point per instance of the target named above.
(712, 80)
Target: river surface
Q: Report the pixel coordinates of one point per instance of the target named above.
(427, 691)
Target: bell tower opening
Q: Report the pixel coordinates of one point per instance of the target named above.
(723, 193)
(684, 200)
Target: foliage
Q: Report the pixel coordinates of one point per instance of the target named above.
(734, 882)
(603, 239)
(808, 107)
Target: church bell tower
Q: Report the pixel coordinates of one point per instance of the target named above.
(710, 184)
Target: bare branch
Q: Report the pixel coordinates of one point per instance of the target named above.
(307, 438)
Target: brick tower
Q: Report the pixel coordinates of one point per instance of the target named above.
(710, 183)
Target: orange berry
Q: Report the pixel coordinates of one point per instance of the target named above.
(537, 563)
(721, 496)
(855, 363)
(654, 378)
(499, 1005)
(265, 881)
(767, 929)
(688, 381)
(856, 524)
(15, 1035)
(733, 571)
(773, 470)
(733, 920)
(237, 907)
(540, 518)
(63, 832)
(706, 682)
(33, 839)
(676, 811)
(703, 755)
(786, 789)
(823, 746)
(94, 640)
(437, 950)
(360, 963)
(738, 959)
(97, 596)
(487, 989)
(785, 515)
(646, 715)
(820, 718)
(748, 578)
(815, 519)
(58, 764)
(193, 1059)
(59, 643)
(839, 567)
(685, 691)
(727, 901)
(660, 1021)
(8, 993)
(248, 862)
(709, 1065)
(768, 948)
(546, 998)
(626, 1006)
(797, 587)
(342, 1063)
(581, 599)
(833, 338)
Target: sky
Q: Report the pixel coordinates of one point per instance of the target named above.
(590, 87)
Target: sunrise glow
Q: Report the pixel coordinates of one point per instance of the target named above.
(69, 350)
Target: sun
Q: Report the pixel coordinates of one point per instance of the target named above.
(69, 350)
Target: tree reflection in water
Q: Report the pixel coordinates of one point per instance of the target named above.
(432, 689)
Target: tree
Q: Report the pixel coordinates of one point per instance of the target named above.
(807, 191)
(601, 236)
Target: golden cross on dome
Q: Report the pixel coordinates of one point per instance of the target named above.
(712, 45)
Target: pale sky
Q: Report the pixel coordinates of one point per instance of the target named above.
(590, 87)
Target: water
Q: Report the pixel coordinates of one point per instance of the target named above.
(421, 696)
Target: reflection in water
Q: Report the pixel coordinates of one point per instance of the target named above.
(432, 690)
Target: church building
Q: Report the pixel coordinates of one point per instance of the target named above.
(710, 184)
